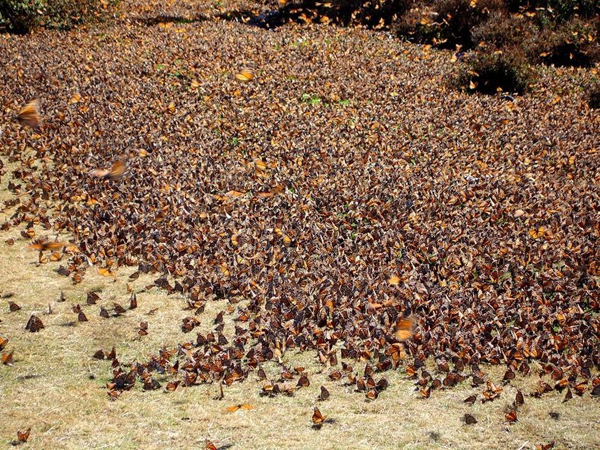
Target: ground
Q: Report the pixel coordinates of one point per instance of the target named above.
(123, 86)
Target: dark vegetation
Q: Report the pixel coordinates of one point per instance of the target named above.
(20, 16)
(506, 36)
(593, 95)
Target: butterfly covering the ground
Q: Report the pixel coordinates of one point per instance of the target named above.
(30, 114)
(115, 172)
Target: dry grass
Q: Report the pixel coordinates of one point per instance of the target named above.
(58, 389)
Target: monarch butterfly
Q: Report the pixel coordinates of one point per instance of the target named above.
(41, 246)
(511, 416)
(23, 435)
(30, 114)
(245, 75)
(114, 173)
(7, 359)
(324, 395)
(317, 417)
(404, 328)
(34, 324)
(234, 408)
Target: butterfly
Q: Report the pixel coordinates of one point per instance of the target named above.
(30, 114)
(34, 324)
(114, 173)
(23, 435)
(469, 419)
(245, 75)
(172, 385)
(318, 418)
(41, 246)
(234, 408)
(324, 395)
(511, 416)
(7, 358)
(404, 328)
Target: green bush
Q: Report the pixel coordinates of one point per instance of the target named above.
(495, 72)
(20, 16)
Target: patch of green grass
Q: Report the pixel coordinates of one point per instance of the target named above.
(311, 99)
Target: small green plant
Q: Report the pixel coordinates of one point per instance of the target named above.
(311, 99)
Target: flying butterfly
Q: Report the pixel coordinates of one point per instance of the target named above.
(404, 328)
(234, 408)
(30, 114)
(41, 246)
(114, 173)
(245, 75)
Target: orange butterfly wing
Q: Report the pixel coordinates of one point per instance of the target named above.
(30, 115)
(114, 173)
(245, 75)
(404, 329)
(117, 170)
(317, 417)
(23, 435)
